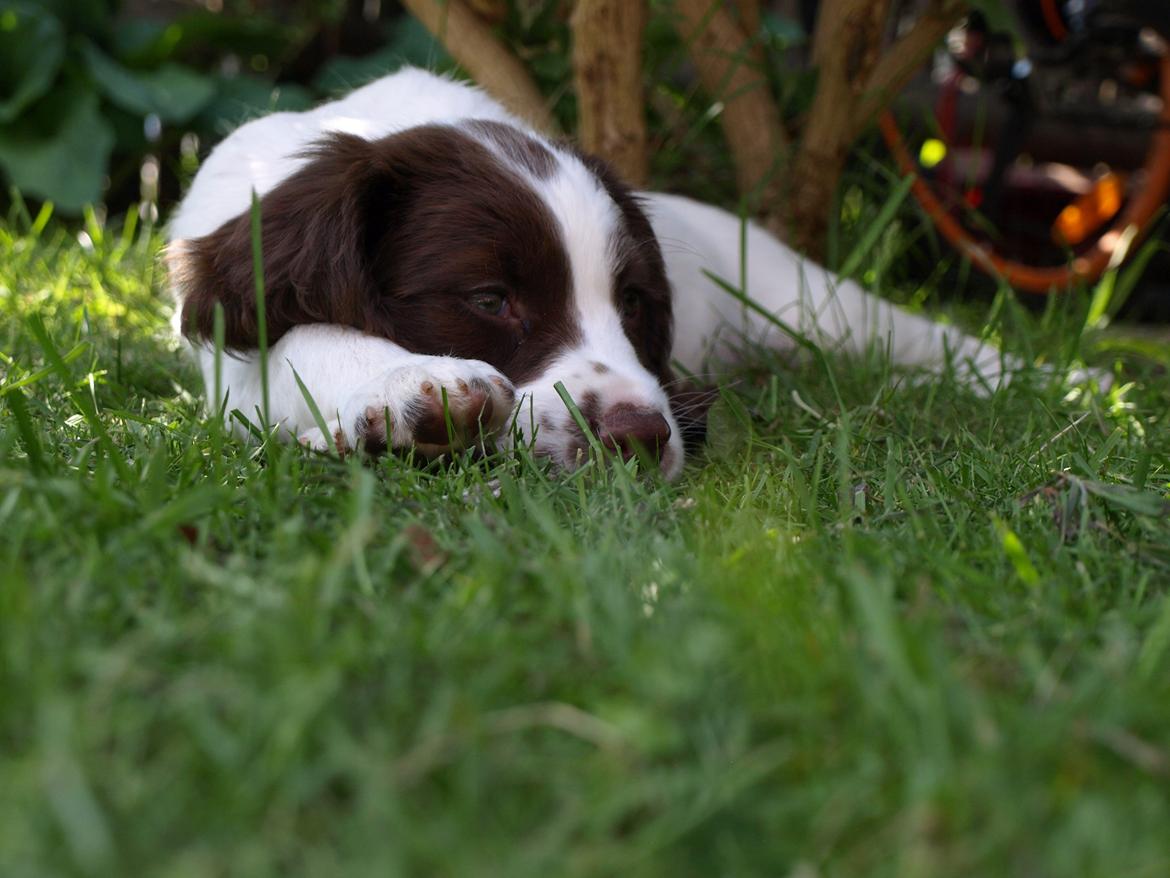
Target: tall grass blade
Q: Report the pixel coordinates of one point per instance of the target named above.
(877, 228)
(318, 418)
(261, 316)
(18, 405)
(578, 418)
(85, 404)
(790, 331)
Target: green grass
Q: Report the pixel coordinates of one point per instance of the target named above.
(870, 632)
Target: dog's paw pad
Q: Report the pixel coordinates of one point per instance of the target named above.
(471, 410)
(434, 405)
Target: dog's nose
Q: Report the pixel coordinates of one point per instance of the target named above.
(626, 428)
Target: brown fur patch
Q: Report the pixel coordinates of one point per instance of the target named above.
(393, 237)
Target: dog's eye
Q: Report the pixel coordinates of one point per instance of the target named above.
(630, 303)
(492, 302)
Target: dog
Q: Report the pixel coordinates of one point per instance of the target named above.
(433, 268)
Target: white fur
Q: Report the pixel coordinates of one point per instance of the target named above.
(265, 151)
(698, 239)
(347, 372)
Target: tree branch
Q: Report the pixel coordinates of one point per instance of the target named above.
(491, 11)
(607, 73)
(898, 63)
(750, 118)
(845, 52)
(491, 64)
(749, 16)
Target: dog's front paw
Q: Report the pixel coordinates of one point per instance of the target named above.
(434, 405)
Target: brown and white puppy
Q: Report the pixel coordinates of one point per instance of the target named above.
(423, 250)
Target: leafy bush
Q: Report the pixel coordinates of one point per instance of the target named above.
(85, 94)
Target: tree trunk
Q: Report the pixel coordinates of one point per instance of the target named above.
(855, 81)
(750, 118)
(607, 72)
(909, 51)
(491, 64)
(845, 51)
(491, 11)
(749, 17)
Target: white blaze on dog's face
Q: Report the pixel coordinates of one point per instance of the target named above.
(474, 240)
(615, 363)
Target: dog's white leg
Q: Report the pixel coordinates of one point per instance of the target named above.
(699, 240)
(368, 390)
(841, 315)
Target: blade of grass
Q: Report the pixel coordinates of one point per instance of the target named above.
(261, 316)
(450, 425)
(578, 418)
(18, 405)
(33, 377)
(318, 419)
(85, 404)
(1115, 288)
(42, 219)
(19, 207)
(218, 401)
(789, 331)
(874, 232)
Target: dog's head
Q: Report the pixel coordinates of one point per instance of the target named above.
(474, 240)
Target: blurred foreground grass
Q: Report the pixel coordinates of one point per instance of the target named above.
(870, 632)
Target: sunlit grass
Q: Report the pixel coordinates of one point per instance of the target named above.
(871, 631)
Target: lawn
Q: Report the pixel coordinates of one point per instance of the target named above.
(871, 631)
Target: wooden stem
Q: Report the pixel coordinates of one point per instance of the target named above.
(749, 16)
(751, 122)
(491, 11)
(491, 64)
(845, 52)
(899, 62)
(607, 72)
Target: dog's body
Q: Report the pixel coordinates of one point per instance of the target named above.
(421, 243)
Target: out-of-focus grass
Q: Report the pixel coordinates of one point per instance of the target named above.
(872, 631)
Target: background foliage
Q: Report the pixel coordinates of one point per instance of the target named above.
(89, 89)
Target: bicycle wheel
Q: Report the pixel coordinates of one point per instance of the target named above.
(1092, 218)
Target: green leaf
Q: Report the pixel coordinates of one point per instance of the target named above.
(239, 99)
(875, 229)
(243, 35)
(1136, 500)
(61, 153)
(91, 18)
(173, 93)
(410, 43)
(32, 44)
(145, 43)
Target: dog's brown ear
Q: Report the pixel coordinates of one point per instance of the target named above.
(315, 233)
(690, 404)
